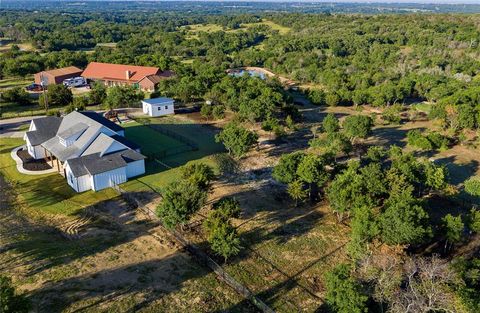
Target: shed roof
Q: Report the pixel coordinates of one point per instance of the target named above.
(97, 70)
(158, 101)
(64, 71)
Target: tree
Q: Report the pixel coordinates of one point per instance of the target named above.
(312, 171)
(227, 207)
(180, 201)
(344, 293)
(317, 97)
(404, 221)
(330, 123)
(199, 174)
(357, 126)
(237, 139)
(286, 169)
(453, 226)
(98, 93)
(9, 301)
(57, 95)
(364, 228)
(222, 236)
(119, 97)
(474, 220)
(296, 191)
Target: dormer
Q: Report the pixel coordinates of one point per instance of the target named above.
(68, 136)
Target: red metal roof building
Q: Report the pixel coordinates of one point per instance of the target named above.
(57, 76)
(143, 77)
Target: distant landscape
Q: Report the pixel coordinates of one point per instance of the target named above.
(292, 157)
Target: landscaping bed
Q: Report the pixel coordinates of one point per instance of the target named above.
(30, 163)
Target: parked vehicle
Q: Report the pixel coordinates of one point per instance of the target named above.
(75, 82)
(34, 87)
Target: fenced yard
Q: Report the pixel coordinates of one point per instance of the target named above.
(169, 142)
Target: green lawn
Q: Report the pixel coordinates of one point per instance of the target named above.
(48, 193)
(158, 175)
(151, 141)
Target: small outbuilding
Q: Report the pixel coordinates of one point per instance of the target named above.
(158, 106)
(56, 76)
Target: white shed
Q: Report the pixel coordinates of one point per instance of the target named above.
(158, 106)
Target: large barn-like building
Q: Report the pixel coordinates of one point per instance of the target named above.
(56, 76)
(89, 150)
(142, 77)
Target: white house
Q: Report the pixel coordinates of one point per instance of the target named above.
(158, 106)
(91, 150)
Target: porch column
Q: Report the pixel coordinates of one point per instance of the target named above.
(51, 158)
(58, 166)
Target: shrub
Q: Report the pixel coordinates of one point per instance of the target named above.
(16, 95)
(472, 186)
(416, 139)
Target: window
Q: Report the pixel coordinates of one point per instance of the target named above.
(159, 108)
(166, 107)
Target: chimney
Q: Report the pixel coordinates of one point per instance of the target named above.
(128, 74)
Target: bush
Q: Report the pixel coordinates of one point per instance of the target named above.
(16, 95)
(317, 97)
(416, 139)
(431, 141)
(391, 114)
(218, 112)
(226, 164)
(472, 186)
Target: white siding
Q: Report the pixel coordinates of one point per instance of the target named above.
(83, 183)
(135, 168)
(158, 109)
(36, 152)
(108, 179)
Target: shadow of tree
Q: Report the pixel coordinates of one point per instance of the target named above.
(458, 173)
(147, 281)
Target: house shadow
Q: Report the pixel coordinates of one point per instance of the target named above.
(93, 231)
(146, 281)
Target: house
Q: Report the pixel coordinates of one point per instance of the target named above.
(56, 76)
(158, 106)
(142, 77)
(89, 150)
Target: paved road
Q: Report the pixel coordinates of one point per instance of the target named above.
(9, 128)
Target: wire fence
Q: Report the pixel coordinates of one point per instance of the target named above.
(163, 130)
(198, 253)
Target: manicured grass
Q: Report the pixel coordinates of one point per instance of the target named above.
(151, 141)
(158, 176)
(47, 193)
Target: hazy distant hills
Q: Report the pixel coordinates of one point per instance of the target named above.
(192, 7)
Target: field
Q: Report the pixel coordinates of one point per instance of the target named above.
(195, 29)
(72, 251)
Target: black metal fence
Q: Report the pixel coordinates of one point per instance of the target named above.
(198, 253)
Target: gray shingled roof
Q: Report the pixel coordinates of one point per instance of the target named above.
(46, 128)
(95, 164)
(102, 120)
(74, 130)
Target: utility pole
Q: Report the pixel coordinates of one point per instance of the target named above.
(45, 97)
